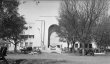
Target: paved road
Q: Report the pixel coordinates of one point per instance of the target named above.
(71, 59)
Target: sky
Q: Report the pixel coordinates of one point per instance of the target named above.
(33, 11)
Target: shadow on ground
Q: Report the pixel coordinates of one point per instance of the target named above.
(36, 61)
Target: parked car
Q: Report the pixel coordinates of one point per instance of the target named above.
(26, 50)
(99, 51)
(89, 51)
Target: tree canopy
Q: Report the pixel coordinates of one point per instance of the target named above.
(11, 23)
(79, 17)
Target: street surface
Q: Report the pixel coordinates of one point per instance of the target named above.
(69, 59)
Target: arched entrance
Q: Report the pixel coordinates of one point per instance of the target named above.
(52, 34)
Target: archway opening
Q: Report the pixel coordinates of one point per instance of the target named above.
(52, 34)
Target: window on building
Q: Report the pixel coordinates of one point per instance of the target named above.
(26, 44)
(31, 36)
(30, 44)
(76, 45)
(90, 45)
(25, 36)
(21, 44)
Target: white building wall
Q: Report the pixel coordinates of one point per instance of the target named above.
(36, 31)
(48, 23)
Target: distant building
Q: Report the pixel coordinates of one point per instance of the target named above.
(92, 44)
(41, 33)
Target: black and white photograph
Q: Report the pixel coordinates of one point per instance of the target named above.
(54, 31)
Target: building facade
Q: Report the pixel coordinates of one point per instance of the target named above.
(40, 33)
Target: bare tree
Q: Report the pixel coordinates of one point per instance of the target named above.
(102, 33)
(79, 17)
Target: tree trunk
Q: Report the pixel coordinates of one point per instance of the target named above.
(72, 48)
(15, 48)
(68, 46)
(83, 49)
(15, 44)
